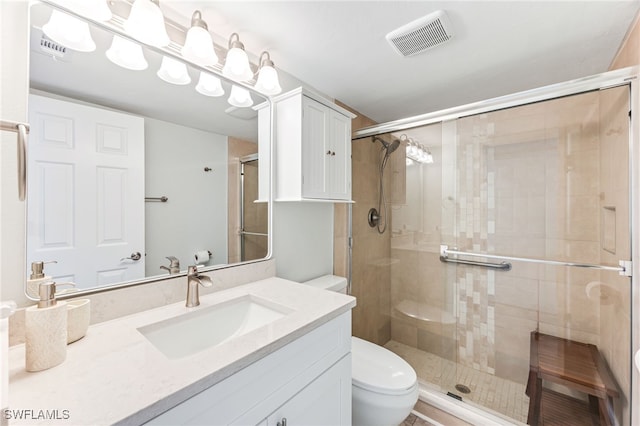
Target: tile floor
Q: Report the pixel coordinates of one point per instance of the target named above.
(497, 394)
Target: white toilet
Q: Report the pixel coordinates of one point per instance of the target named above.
(384, 386)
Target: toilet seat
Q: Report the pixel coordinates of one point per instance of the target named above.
(379, 370)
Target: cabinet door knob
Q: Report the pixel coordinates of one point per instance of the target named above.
(282, 422)
(329, 152)
(333, 153)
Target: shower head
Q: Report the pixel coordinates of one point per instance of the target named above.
(389, 146)
(393, 146)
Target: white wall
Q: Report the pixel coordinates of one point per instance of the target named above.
(195, 217)
(303, 239)
(13, 106)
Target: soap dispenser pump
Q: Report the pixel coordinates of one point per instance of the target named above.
(45, 330)
(37, 277)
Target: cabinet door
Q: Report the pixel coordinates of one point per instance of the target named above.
(315, 152)
(338, 166)
(325, 401)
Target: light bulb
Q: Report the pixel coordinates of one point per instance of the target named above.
(209, 85)
(240, 97)
(173, 71)
(126, 54)
(268, 81)
(146, 23)
(198, 46)
(236, 65)
(69, 32)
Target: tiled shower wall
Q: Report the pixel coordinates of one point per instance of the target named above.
(371, 278)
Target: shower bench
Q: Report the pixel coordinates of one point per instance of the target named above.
(575, 365)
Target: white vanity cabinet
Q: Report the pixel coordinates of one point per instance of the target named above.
(308, 382)
(312, 148)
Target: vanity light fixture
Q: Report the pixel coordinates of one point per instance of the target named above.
(69, 31)
(198, 45)
(209, 85)
(267, 82)
(236, 65)
(146, 23)
(173, 71)
(126, 54)
(416, 152)
(240, 97)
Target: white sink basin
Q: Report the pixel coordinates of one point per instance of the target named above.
(211, 326)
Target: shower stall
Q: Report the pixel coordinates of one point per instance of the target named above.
(511, 247)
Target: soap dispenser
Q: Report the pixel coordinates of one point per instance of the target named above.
(37, 277)
(45, 330)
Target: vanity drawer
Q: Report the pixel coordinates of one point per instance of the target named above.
(253, 393)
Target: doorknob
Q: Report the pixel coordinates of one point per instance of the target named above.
(134, 256)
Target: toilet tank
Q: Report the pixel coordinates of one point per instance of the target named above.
(329, 282)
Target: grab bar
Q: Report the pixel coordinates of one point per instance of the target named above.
(503, 266)
(22, 129)
(625, 268)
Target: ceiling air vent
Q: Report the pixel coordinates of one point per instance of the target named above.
(40, 43)
(422, 34)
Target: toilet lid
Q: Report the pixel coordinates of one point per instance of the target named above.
(378, 369)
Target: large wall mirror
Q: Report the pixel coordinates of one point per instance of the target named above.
(130, 175)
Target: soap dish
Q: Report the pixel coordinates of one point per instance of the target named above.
(78, 316)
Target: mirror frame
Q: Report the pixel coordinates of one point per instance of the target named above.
(115, 26)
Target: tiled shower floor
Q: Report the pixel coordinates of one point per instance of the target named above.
(495, 393)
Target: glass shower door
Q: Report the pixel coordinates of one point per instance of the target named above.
(543, 181)
(253, 215)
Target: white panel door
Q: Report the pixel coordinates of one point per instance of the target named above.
(86, 192)
(315, 152)
(338, 171)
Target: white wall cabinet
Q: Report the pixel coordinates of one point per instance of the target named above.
(312, 148)
(308, 382)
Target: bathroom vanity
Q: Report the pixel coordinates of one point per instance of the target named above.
(288, 358)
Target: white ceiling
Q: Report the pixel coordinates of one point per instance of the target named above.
(500, 47)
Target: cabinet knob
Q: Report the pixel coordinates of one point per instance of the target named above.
(332, 153)
(282, 422)
(329, 152)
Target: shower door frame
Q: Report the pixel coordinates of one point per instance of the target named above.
(626, 76)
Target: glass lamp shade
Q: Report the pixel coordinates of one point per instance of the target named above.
(268, 82)
(146, 23)
(429, 158)
(209, 85)
(93, 9)
(198, 47)
(240, 97)
(126, 54)
(236, 65)
(173, 71)
(69, 32)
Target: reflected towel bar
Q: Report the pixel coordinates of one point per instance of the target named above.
(162, 199)
(22, 129)
(625, 268)
(259, 234)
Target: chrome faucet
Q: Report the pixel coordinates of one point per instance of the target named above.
(174, 265)
(193, 280)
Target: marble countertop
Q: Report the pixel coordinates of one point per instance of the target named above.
(115, 375)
